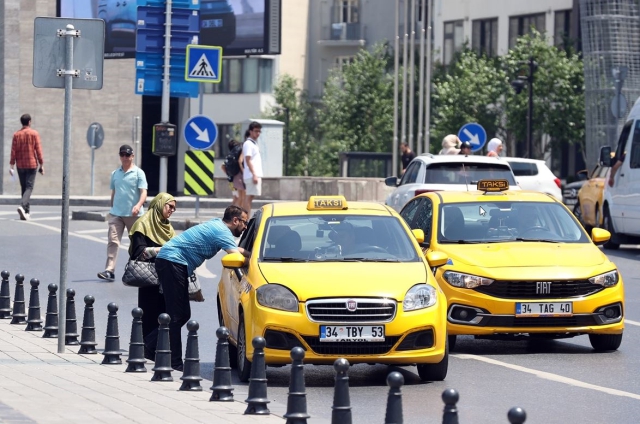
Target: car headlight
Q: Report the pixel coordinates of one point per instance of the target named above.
(419, 296)
(608, 279)
(465, 281)
(277, 297)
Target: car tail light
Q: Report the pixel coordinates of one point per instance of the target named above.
(423, 191)
(558, 182)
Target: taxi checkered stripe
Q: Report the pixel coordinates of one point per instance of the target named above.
(198, 172)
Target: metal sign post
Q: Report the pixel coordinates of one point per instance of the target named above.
(95, 137)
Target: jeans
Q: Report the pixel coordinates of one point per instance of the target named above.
(27, 180)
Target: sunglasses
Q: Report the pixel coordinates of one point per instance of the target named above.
(171, 207)
(125, 154)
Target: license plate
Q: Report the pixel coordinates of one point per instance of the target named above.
(544, 309)
(352, 333)
(211, 23)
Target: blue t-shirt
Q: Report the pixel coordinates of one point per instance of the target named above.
(197, 244)
(126, 186)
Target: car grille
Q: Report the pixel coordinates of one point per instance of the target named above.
(527, 289)
(351, 348)
(511, 321)
(367, 310)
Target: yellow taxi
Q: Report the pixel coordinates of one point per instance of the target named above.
(590, 198)
(519, 264)
(339, 279)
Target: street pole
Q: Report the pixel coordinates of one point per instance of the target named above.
(166, 93)
(404, 72)
(286, 141)
(530, 111)
(93, 156)
(427, 107)
(412, 70)
(396, 66)
(421, 77)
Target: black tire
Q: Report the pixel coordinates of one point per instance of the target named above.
(605, 342)
(608, 225)
(435, 372)
(242, 363)
(451, 339)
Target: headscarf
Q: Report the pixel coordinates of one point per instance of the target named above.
(153, 224)
(493, 145)
(450, 145)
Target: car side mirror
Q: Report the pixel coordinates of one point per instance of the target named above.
(391, 181)
(583, 175)
(600, 236)
(233, 260)
(419, 235)
(437, 259)
(605, 156)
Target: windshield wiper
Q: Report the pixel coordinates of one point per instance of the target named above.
(284, 259)
(463, 241)
(370, 260)
(540, 240)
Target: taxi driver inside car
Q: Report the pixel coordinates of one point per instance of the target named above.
(519, 263)
(320, 278)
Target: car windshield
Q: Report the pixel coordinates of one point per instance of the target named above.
(494, 222)
(467, 173)
(337, 238)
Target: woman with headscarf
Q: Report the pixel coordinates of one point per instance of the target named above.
(494, 147)
(450, 145)
(148, 234)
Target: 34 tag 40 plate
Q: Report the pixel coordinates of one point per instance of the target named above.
(544, 309)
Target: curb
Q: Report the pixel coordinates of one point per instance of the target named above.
(178, 224)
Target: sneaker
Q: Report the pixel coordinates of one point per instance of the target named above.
(106, 275)
(23, 215)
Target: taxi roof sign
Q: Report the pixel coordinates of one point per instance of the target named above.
(493, 185)
(317, 203)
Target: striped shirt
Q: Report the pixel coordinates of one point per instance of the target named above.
(26, 150)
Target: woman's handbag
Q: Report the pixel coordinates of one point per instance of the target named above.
(195, 291)
(140, 274)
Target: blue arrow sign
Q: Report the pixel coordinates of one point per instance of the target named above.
(200, 132)
(474, 134)
(204, 63)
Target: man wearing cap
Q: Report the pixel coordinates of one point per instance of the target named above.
(128, 193)
(465, 148)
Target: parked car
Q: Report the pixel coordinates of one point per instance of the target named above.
(570, 191)
(535, 175)
(429, 172)
(588, 209)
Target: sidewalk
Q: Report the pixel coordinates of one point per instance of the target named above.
(38, 385)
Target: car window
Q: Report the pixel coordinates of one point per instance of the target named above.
(418, 213)
(411, 174)
(634, 161)
(409, 211)
(337, 238)
(495, 222)
(524, 169)
(467, 173)
(249, 235)
(621, 149)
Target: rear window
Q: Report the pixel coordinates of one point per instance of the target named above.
(524, 169)
(467, 173)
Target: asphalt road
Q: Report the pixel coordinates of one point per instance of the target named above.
(555, 382)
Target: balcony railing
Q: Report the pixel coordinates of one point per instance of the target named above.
(345, 31)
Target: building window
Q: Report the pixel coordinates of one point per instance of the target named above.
(453, 39)
(341, 61)
(521, 25)
(346, 11)
(562, 28)
(251, 75)
(484, 36)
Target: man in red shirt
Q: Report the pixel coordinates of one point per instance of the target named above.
(26, 154)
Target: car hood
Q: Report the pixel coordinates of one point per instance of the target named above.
(350, 279)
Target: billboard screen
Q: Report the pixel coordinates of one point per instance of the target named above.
(240, 27)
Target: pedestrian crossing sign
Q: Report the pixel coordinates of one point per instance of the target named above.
(204, 63)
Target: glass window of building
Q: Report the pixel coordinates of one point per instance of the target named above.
(251, 75)
(484, 36)
(341, 61)
(521, 25)
(562, 28)
(453, 39)
(346, 11)
(266, 75)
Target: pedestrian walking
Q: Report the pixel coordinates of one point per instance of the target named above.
(494, 147)
(26, 155)
(149, 233)
(252, 174)
(450, 145)
(234, 168)
(407, 156)
(178, 259)
(128, 194)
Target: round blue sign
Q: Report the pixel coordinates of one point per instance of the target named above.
(200, 132)
(474, 134)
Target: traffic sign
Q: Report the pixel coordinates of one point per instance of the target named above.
(95, 135)
(474, 134)
(204, 63)
(200, 132)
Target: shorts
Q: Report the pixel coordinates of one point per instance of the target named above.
(238, 184)
(253, 189)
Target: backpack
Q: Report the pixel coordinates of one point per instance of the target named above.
(231, 161)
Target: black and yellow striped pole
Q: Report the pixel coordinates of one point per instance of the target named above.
(198, 174)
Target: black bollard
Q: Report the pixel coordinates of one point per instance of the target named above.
(257, 400)
(162, 369)
(395, 380)
(71, 326)
(5, 296)
(136, 359)
(191, 375)
(88, 337)
(34, 321)
(19, 316)
(297, 399)
(517, 415)
(222, 371)
(51, 320)
(450, 398)
(112, 340)
(341, 409)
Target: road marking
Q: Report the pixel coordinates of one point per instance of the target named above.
(628, 321)
(74, 234)
(550, 376)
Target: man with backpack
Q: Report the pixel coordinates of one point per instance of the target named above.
(232, 166)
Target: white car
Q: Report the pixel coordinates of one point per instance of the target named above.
(429, 172)
(535, 175)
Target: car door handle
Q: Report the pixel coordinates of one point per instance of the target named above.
(622, 175)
